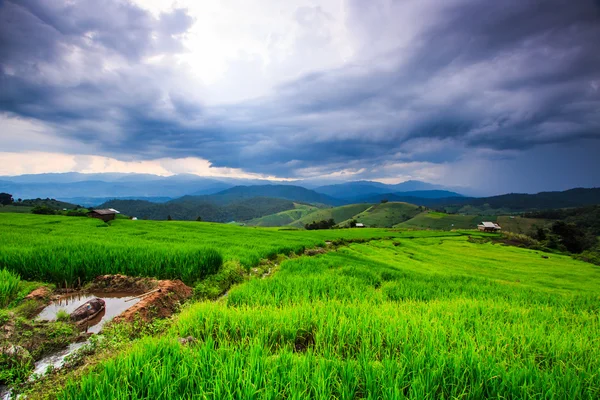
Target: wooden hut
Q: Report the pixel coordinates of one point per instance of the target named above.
(105, 215)
(489, 227)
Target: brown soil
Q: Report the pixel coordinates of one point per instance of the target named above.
(161, 303)
(41, 293)
(122, 283)
(315, 251)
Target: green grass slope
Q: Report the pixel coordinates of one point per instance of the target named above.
(284, 217)
(417, 317)
(441, 221)
(385, 215)
(61, 249)
(338, 214)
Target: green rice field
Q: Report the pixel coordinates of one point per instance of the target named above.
(407, 315)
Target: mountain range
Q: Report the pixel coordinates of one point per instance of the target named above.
(93, 189)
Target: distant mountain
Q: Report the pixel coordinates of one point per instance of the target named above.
(289, 192)
(94, 201)
(410, 186)
(102, 186)
(359, 190)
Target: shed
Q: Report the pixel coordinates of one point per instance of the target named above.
(489, 227)
(360, 225)
(104, 214)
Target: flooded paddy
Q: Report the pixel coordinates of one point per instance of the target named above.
(115, 304)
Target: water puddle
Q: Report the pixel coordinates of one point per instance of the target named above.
(115, 304)
(56, 360)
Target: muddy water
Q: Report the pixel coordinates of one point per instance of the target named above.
(56, 360)
(116, 303)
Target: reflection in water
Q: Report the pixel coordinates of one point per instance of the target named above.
(116, 303)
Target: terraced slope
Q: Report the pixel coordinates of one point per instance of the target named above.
(435, 317)
(284, 217)
(385, 215)
(442, 221)
(338, 214)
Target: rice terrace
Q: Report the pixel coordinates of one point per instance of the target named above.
(299, 199)
(285, 313)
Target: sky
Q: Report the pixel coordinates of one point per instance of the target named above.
(501, 96)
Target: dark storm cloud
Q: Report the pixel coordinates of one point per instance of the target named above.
(504, 76)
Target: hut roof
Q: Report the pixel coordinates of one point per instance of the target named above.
(489, 224)
(106, 211)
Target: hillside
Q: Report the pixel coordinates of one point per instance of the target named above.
(284, 217)
(356, 191)
(586, 217)
(513, 202)
(385, 215)
(192, 207)
(443, 221)
(338, 214)
(426, 312)
(289, 192)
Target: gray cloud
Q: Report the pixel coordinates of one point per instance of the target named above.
(468, 75)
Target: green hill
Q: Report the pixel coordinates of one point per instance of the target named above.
(284, 217)
(339, 214)
(443, 221)
(385, 215)
(190, 208)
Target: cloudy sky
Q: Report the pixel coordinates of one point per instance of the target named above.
(498, 95)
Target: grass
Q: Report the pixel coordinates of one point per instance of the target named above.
(424, 315)
(385, 215)
(61, 249)
(9, 287)
(522, 225)
(338, 214)
(442, 221)
(15, 209)
(284, 217)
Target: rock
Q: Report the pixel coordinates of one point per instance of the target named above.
(315, 251)
(16, 354)
(7, 330)
(88, 310)
(41, 293)
(188, 340)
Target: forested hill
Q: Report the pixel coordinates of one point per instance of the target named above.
(191, 207)
(289, 192)
(513, 201)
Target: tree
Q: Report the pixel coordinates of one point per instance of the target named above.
(324, 224)
(199, 219)
(383, 201)
(6, 199)
(20, 200)
(574, 238)
(169, 218)
(44, 210)
(353, 223)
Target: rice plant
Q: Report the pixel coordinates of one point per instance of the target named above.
(421, 318)
(9, 287)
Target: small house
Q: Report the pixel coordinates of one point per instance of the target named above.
(360, 225)
(489, 227)
(105, 214)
